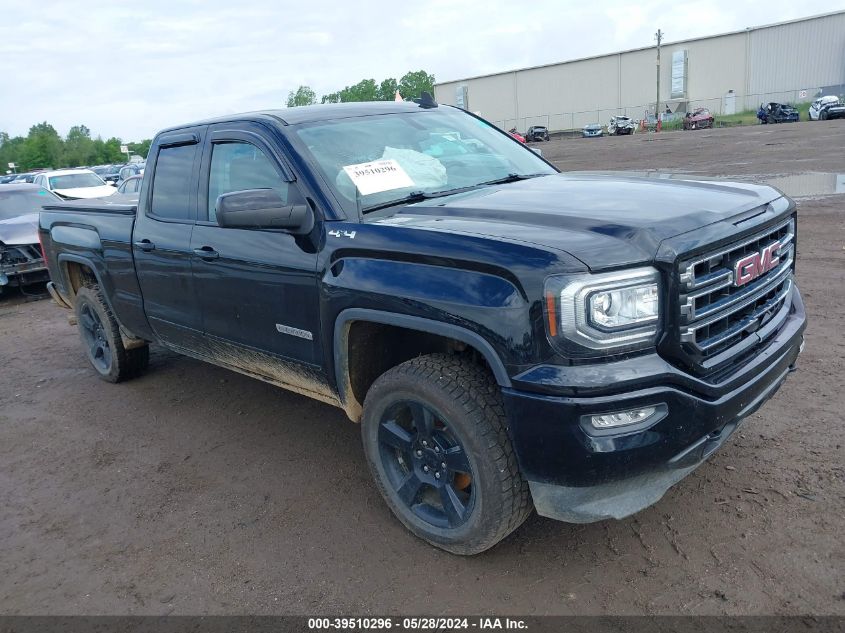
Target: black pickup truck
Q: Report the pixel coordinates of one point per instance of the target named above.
(508, 336)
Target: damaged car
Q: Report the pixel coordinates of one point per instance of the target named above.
(619, 125)
(777, 113)
(698, 119)
(824, 108)
(21, 260)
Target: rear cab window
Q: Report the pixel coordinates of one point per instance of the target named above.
(171, 197)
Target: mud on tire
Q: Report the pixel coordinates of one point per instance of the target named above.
(101, 340)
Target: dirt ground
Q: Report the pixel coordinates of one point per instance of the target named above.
(195, 490)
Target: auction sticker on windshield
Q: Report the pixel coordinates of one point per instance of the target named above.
(378, 176)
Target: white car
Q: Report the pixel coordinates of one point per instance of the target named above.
(828, 107)
(73, 184)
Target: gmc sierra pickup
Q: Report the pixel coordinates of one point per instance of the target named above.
(508, 336)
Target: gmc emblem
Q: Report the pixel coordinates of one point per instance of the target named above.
(752, 266)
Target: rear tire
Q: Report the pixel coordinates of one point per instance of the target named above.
(443, 407)
(101, 340)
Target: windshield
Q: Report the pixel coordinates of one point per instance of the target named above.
(17, 203)
(377, 159)
(75, 181)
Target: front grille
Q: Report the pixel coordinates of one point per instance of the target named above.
(719, 319)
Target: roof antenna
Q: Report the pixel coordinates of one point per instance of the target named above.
(426, 100)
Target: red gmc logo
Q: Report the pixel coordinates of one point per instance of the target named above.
(752, 266)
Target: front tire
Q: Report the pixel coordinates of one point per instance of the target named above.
(101, 340)
(435, 436)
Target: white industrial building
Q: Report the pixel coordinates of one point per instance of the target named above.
(786, 62)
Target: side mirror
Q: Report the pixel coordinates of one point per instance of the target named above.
(262, 209)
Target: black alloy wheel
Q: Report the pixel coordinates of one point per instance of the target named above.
(435, 437)
(426, 464)
(96, 344)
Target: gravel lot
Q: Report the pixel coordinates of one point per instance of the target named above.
(197, 490)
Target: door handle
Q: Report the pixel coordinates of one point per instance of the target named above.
(206, 252)
(145, 245)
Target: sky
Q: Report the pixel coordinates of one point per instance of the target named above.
(128, 69)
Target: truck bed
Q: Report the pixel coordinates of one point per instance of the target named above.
(97, 235)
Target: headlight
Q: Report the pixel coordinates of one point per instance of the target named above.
(609, 311)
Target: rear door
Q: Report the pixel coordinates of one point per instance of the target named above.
(161, 242)
(257, 288)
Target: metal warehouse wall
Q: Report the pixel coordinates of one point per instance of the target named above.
(806, 55)
(772, 63)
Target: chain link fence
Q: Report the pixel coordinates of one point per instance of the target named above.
(729, 109)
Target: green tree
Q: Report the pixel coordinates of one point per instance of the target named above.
(111, 151)
(142, 148)
(387, 89)
(412, 84)
(304, 96)
(78, 147)
(364, 90)
(43, 147)
(10, 152)
(332, 97)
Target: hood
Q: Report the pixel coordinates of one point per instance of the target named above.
(603, 219)
(86, 192)
(20, 230)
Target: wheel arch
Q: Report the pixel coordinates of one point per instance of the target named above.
(351, 387)
(78, 271)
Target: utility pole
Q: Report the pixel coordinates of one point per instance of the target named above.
(659, 37)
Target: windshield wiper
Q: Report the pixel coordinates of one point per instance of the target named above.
(420, 196)
(416, 196)
(511, 178)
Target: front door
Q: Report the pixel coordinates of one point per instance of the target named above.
(161, 241)
(257, 288)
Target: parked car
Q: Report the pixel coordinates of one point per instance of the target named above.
(620, 125)
(109, 173)
(441, 302)
(74, 183)
(130, 185)
(829, 107)
(21, 260)
(25, 178)
(7, 178)
(698, 119)
(592, 130)
(777, 113)
(103, 171)
(519, 137)
(132, 169)
(537, 133)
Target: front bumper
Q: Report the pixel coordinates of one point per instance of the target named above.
(579, 477)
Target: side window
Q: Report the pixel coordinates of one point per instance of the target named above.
(135, 187)
(236, 166)
(171, 182)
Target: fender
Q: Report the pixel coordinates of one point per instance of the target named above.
(67, 287)
(350, 315)
(129, 339)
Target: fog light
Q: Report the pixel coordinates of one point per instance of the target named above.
(622, 418)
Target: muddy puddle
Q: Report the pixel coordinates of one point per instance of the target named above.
(808, 184)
